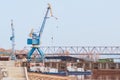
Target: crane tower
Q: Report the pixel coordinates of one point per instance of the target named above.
(12, 38)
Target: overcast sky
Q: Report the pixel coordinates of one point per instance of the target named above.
(80, 22)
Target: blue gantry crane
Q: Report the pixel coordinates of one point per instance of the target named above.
(35, 37)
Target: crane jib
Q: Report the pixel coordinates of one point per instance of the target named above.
(43, 23)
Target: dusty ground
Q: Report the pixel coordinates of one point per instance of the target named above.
(36, 76)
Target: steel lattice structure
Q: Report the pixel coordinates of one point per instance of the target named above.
(91, 52)
(81, 50)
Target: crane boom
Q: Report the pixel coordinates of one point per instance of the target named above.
(44, 21)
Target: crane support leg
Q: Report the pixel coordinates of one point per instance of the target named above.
(41, 53)
(32, 51)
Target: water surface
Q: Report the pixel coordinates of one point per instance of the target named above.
(97, 77)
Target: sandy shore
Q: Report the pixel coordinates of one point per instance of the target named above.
(36, 76)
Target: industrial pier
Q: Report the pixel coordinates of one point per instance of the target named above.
(27, 64)
(103, 67)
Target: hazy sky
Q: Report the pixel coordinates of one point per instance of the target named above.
(80, 22)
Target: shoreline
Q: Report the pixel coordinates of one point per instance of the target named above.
(37, 76)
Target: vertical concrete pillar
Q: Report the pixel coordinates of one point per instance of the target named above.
(117, 66)
(57, 65)
(107, 65)
(90, 66)
(100, 65)
(83, 66)
(103, 65)
(50, 64)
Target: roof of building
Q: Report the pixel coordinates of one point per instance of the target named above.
(63, 58)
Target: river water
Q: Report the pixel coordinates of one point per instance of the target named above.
(97, 77)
